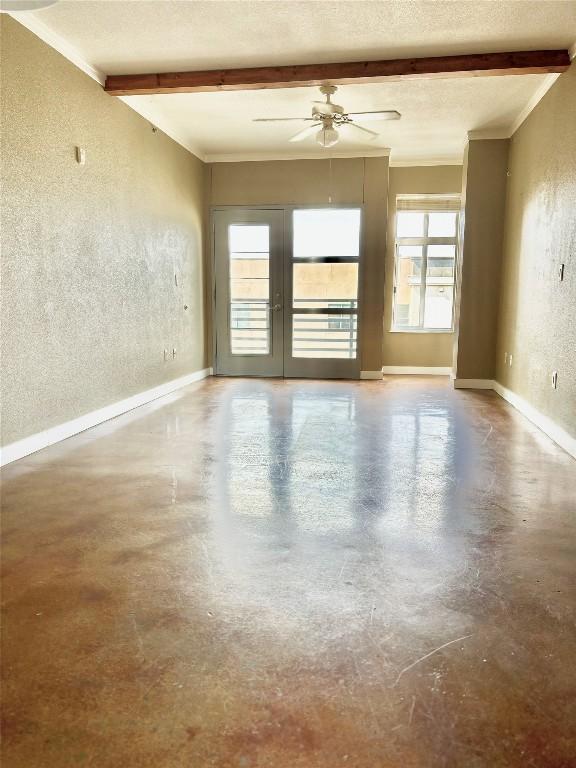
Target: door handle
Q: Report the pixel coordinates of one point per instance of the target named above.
(276, 307)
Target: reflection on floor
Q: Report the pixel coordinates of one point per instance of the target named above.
(293, 573)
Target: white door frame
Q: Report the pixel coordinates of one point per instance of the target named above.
(319, 368)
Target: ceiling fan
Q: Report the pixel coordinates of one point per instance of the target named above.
(328, 118)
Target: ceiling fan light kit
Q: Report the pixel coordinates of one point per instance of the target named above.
(328, 117)
(327, 136)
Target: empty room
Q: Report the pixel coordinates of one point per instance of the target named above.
(288, 383)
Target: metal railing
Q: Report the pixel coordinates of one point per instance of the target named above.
(317, 327)
(250, 315)
(325, 329)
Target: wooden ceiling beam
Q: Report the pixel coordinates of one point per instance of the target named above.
(471, 65)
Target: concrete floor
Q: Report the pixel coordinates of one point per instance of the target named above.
(293, 573)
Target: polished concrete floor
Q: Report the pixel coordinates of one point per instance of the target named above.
(294, 573)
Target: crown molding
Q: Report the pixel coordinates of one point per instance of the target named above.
(489, 133)
(261, 157)
(48, 36)
(421, 162)
(539, 94)
(51, 38)
(148, 113)
(507, 133)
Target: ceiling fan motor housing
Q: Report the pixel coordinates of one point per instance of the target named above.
(322, 108)
(327, 110)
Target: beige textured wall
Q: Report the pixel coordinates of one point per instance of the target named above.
(317, 182)
(538, 312)
(415, 349)
(480, 266)
(90, 254)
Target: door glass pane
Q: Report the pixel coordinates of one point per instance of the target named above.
(442, 224)
(249, 278)
(408, 287)
(326, 232)
(249, 289)
(326, 336)
(325, 285)
(438, 306)
(249, 238)
(409, 224)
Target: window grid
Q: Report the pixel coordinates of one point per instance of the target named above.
(424, 242)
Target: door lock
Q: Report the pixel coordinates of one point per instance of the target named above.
(276, 307)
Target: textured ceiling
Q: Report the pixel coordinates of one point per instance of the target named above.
(118, 37)
(436, 115)
(143, 36)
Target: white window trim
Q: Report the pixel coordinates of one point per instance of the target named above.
(424, 242)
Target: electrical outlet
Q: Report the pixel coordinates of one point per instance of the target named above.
(510, 360)
(505, 358)
(561, 272)
(173, 352)
(165, 355)
(554, 379)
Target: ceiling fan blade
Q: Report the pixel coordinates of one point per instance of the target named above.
(372, 134)
(386, 114)
(279, 119)
(331, 106)
(305, 132)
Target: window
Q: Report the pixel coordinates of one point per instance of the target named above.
(426, 242)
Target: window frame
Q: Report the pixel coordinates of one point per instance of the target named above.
(424, 242)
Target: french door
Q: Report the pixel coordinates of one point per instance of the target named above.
(286, 291)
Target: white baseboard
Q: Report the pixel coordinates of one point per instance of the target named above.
(549, 427)
(423, 370)
(36, 442)
(371, 375)
(473, 384)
